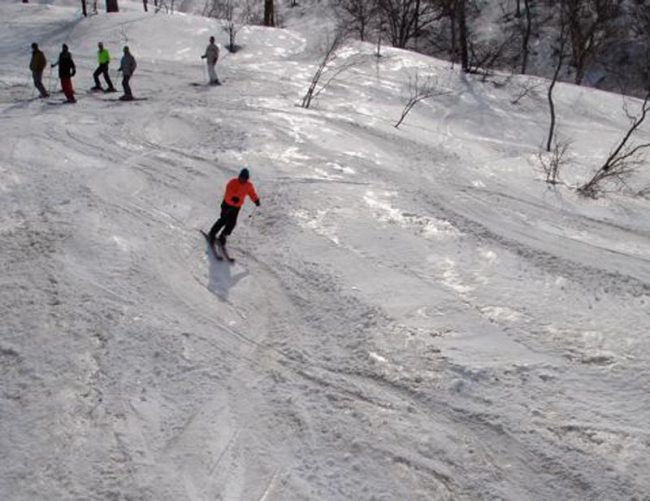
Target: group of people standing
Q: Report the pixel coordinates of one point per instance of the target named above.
(67, 70)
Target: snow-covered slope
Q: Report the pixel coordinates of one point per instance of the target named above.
(413, 314)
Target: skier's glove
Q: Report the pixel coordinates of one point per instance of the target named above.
(257, 202)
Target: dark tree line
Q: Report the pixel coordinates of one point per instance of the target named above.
(601, 35)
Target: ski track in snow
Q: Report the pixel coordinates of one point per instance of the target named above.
(411, 314)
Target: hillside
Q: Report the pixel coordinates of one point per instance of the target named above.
(413, 313)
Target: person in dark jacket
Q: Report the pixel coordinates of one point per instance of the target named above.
(103, 58)
(236, 191)
(67, 70)
(127, 67)
(37, 65)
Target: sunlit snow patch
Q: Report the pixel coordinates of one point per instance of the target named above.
(377, 358)
(428, 227)
(317, 223)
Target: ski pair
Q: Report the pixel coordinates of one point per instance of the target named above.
(222, 253)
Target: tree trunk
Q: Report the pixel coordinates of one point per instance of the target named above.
(416, 28)
(453, 53)
(526, 38)
(269, 14)
(462, 33)
(84, 10)
(144, 2)
(556, 74)
(111, 6)
(379, 35)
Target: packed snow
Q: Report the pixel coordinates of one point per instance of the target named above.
(414, 314)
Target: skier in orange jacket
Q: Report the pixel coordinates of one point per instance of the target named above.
(236, 191)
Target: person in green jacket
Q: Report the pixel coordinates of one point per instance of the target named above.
(103, 58)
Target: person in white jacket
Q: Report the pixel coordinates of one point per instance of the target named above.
(212, 56)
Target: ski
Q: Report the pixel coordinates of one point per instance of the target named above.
(212, 249)
(224, 252)
(100, 92)
(118, 100)
(57, 103)
(205, 84)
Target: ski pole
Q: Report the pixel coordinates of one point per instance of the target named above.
(49, 84)
(252, 214)
(205, 74)
(33, 89)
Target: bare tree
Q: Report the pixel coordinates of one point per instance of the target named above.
(111, 6)
(405, 19)
(233, 19)
(359, 14)
(162, 4)
(269, 13)
(463, 33)
(419, 90)
(526, 31)
(332, 46)
(560, 53)
(447, 11)
(231, 25)
(486, 56)
(328, 69)
(380, 33)
(623, 159)
(524, 90)
(551, 164)
(590, 25)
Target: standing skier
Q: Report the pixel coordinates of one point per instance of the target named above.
(212, 56)
(37, 65)
(67, 70)
(127, 67)
(236, 191)
(103, 58)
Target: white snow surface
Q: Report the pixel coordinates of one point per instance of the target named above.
(413, 314)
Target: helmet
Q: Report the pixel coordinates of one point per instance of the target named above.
(244, 174)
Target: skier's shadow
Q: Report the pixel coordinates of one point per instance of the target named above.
(222, 278)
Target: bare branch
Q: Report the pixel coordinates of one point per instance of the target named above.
(524, 91)
(553, 162)
(329, 56)
(623, 159)
(419, 91)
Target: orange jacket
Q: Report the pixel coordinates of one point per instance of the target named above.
(237, 190)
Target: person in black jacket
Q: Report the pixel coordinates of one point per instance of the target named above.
(67, 70)
(127, 67)
(37, 65)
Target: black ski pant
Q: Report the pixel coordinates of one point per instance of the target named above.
(38, 83)
(227, 221)
(102, 69)
(126, 86)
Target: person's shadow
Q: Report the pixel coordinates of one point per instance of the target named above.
(221, 278)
